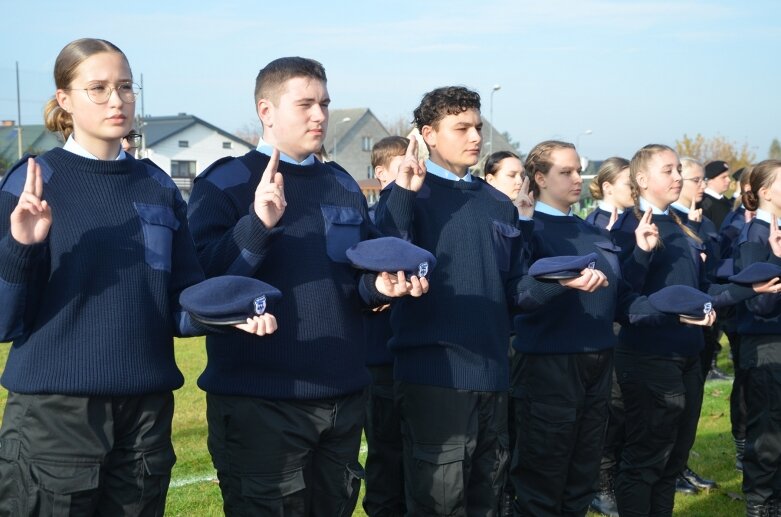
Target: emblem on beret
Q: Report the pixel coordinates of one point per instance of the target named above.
(260, 304)
(423, 269)
(592, 264)
(707, 308)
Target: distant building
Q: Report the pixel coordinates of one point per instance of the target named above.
(36, 139)
(184, 145)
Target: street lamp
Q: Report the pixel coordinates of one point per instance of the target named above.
(345, 119)
(577, 138)
(491, 122)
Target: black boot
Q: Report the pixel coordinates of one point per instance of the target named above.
(604, 502)
(682, 486)
(740, 445)
(757, 510)
(700, 482)
(715, 374)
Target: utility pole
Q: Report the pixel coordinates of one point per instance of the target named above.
(18, 115)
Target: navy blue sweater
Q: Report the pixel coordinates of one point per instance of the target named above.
(93, 310)
(456, 335)
(569, 320)
(318, 350)
(675, 261)
(730, 231)
(762, 314)
(599, 218)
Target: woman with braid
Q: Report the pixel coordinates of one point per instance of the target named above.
(612, 191)
(759, 327)
(658, 368)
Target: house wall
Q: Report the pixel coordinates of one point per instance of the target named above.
(349, 151)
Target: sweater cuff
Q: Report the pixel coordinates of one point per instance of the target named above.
(400, 208)
(642, 257)
(774, 260)
(260, 236)
(17, 259)
(369, 293)
(544, 292)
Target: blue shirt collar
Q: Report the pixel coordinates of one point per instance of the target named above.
(545, 208)
(440, 171)
(72, 146)
(764, 215)
(607, 207)
(266, 149)
(645, 205)
(680, 207)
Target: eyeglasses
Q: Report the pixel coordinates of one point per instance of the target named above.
(101, 93)
(133, 138)
(697, 181)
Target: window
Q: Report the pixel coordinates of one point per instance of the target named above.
(184, 143)
(369, 171)
(366, 143)
(227, 145)
(180, 169)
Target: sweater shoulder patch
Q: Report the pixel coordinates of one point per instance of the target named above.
(225, 173)
(343, 177)
(16, 176)
(623, 222)
(158, 174)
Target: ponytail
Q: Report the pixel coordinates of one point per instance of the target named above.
(57, 120)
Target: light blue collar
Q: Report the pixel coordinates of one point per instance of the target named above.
(764, 215)
(72, 146)
(645, 205)
(678, 206)
(438, 170)
(545, 208)
(266, 149)
(607, 207)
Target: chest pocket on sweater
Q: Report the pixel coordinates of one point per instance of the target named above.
(159, 224)
(504, 236)
(342, 230)
(610, 252)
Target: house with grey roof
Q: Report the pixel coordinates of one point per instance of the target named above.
(35, 140)
(184, 145)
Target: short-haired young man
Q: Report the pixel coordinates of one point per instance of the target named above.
(384, 495)
(450, 347)
(285, 412)
(715, 206)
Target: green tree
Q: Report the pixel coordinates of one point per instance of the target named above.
(716, 148)
(775, 150)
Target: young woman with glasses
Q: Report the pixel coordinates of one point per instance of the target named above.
(94, 251)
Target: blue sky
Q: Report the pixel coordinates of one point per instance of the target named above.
(632, 72)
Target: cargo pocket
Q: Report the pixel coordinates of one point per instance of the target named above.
(156, 478)
(438, 485)
(504, 236)
(272, 492)
(342, 230)
(12, 481)
(159, 224)
(57, 483)
(353, 475)
(550, 429)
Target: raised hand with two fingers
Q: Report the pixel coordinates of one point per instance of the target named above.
(524, 201)
(647, 234)
(32, 217)
(270, 194)
(412, 171)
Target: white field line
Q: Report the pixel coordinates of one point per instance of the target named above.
(211, 476)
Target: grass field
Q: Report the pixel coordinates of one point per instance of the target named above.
(194, 493)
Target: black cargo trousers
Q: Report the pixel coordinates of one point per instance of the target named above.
(63, 455)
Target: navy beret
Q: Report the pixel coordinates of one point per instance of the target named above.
(227, 300)
(561, 267)
(756, 272)
(716, 168)
(682, 300)
(391, 254)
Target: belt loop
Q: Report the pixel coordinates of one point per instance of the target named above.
(9, 449)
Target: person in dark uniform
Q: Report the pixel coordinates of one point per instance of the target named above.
(384, 496)
(613, 192)
(658, 367)
(759, 326)
(94, 252)
(692, 192)
(285, 415)
(715, 205)
(450, 349)
(730, 231)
